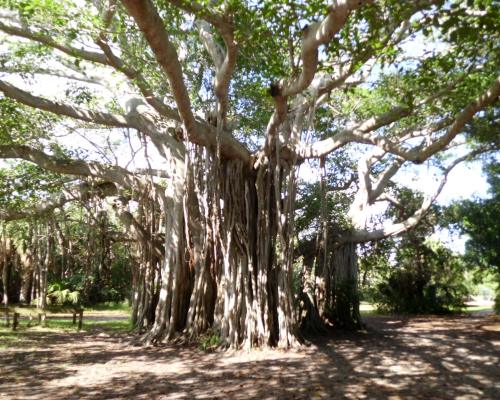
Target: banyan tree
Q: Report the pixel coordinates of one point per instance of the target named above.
(229, 99)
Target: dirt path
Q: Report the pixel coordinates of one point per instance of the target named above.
(396, 358)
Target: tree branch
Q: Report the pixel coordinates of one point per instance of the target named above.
(323, 147)
(363, 235)
(420, 153)
(96, 80)
(77, 193)
(316, 35)
(224, 61)
(69, 167)
(106, 58)
(41, 103)
(361, 133)
(151, 25)
(149, 22)
(26, 33)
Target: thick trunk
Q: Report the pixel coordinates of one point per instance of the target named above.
(330, 289)
(227, 264)
(344, 310)
(170, 313)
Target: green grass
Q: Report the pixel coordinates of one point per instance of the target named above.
(59, 321)
(66, 325)
(471, 309)
(123, 325)
(110, 306)
(122, 308)
(370, 310)
(8, 338)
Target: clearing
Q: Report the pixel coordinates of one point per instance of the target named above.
(455, 357)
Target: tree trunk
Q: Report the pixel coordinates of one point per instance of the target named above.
(5, 253)
(26, 276)
(227, 265)
(45, 263)
(344, 310)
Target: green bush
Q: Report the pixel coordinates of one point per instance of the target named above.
(209, 341)
(407, 291)
(57, 295)
(429, 279)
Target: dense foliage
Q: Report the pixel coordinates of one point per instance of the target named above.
(479, 220)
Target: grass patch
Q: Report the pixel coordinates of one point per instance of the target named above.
(373, 313)
(26, 310)
(471, 309)
(370, 310)
(122, 325)
(30, 333)
(110, 306)
(8, 338)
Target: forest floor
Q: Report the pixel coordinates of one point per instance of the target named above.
(427, 357)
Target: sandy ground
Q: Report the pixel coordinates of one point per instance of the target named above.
(395, 358)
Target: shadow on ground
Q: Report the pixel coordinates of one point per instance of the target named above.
(419, 358)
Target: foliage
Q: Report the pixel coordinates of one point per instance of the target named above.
(57, 295)
(480, 220)
(413, 274)
(434, 285)
(209, 341)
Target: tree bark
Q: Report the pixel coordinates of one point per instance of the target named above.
(344, 303)
(5, 253)
(227, 265)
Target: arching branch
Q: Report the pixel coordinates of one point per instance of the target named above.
(363, 235)
(26, 33)
(69, 167)
(355, 134)
(96, 117)
(106, 58)
(364, 132)
(224, 61)
(318, 34)
(150, 23)
(96, 80)
(421, 153)
(76, 193)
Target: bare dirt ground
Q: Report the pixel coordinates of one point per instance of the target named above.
(395, 358)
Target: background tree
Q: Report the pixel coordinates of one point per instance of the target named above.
(478, 219)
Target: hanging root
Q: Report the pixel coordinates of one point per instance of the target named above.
(226, 278)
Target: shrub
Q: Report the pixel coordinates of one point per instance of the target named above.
(56, 295)
(433, 284)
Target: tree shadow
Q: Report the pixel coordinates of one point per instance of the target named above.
(439, 358)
